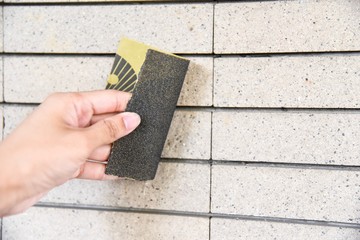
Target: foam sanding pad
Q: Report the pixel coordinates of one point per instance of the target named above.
(155, 78)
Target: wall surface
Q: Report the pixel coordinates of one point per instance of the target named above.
(265, 141)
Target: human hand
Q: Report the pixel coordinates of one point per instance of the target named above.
(55, 143)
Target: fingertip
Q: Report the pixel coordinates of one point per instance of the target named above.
(131, 120)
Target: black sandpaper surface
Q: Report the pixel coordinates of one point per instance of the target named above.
(137, 155)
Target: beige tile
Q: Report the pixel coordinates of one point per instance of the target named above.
(190, 142)
(294, 137)
(98, 28)
(1, 80)
(232, 229)
(1, 125)
(1, 29)
(42, 75)
(189, 135)
(325, 81)
(287, 26)
(315, 194)
(14, 115)
(198, 84)
(177, 186)
(51, 223)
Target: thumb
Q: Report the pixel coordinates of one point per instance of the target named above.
(113, 128)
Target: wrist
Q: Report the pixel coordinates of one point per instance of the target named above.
(11, 184)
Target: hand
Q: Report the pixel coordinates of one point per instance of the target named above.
(55, 143)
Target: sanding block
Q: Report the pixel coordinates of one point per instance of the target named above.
(155, 78)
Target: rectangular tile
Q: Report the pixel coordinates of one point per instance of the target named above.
(189, 136)
(192, 142)
(315, 194)
(1, 79)
(1, 122)
(14, 115)
(51, 223)
(1, 29)
(42, 75)
(177, 186)
(325, 81)
(98, 28)
(232, 229)
(287, 26)
(293, 137)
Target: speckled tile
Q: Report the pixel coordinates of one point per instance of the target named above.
(190, 142)
(1, 29)
(322, 81)
(177, 186)
(2, 126)
(189, 135)
(42, 75)
(98, 28)
(51, 223)
(315, 194)
(232, 229)
(287, 26)
(294, 137)
(1, 80)
(14, 115)
(198, 84)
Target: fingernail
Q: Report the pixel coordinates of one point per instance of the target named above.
(131, 120)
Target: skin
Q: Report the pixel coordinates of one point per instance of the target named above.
(55, 143)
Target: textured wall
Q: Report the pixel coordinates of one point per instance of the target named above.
(264, 144)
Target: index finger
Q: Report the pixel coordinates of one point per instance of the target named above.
(107, 101)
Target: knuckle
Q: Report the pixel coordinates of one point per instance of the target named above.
(113, 129)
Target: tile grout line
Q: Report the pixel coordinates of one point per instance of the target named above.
(211, 118)
(236, 109)
(106, 3)
(3, 81)
(192, 54)
(198, 214)
(2, 107)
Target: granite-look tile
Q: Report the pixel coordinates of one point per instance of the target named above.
(1, 80)
(198, 84)
(14, 115)
(189, 135)
(177, 186)
(1, 29)
(98, 28)
(315, 194)
(52, 223)
(294, 137)
(325, 81)
(42, 75)
(2, 126)
(233, 229)
(287, 26)
(190, 142)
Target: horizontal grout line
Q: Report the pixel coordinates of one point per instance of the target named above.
(197, 214)
(277, 109)
(222, 55)
(112, 2)
(264, 164)
(233, 109)
(288, 165)
(185, 160)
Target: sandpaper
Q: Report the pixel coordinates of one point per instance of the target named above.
(155, 78)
